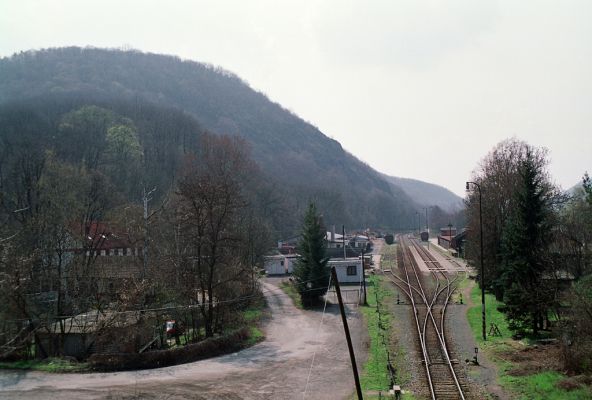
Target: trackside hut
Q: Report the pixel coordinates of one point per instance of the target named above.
(349, 270)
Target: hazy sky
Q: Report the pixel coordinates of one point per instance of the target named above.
(419, 89)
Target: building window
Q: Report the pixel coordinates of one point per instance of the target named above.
(103, 253)
(352, 270)
(282, 263)
(120, 252)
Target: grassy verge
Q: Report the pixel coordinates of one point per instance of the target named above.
(461, 284)
(47, 365)
(256, 336)
(291, 291)
(492, 315)
(542, 385)
(389, 256)
(253, 314)
(253, 317)
(375, 376)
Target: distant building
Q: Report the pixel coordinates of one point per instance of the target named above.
(280, 264)
(445, 237)
(450, 239)
(361, 242)
(96, 332)
(338, 252)
(288, 246)
(114, 256)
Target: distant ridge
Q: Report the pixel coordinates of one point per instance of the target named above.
(427, 194)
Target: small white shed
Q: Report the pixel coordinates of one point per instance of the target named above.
(280, 264)
(349, 270)
(275, 265)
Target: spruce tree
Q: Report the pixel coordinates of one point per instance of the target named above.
(525, 243)
(311, 272)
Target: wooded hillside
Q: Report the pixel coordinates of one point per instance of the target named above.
(300, 162)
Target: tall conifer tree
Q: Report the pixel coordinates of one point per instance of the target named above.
(525, 244)
(311, 272)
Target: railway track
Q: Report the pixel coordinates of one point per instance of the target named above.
(429, 300)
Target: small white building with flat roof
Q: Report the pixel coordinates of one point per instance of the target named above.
(281, 264)
(349, 270)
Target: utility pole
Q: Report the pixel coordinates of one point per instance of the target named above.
(347, 336)
(146, 198)
(343, 240)
(482, 269)
(427, 227)
(450, 237)
(364, 278)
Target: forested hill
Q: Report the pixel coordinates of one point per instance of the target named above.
(303, 163)
(428, 194)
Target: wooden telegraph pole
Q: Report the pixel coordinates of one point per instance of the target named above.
(347, 336)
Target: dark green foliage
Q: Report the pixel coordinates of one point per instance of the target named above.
(577, 328)
(311, 272)
(526, 263)
(499, 178)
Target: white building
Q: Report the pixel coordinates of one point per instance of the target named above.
(280, 264)
(349, 270)
(359, 242)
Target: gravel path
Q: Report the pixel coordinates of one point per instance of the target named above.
(274, 369)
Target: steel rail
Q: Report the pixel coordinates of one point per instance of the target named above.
(420, 332)
(408, 260)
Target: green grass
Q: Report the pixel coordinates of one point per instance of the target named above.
(461, 284)
(291, 291)
(539, 386)
(375, 376)
(389, 256)
(252, 314)
(492, 315)
(47, 365)
(256, 336)
(543, 386)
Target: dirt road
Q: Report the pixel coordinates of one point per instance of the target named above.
(274, 369)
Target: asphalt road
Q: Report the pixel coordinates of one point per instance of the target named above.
(277, 368)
